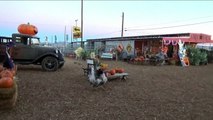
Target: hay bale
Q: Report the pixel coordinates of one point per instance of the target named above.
(8, 97)
(6, 93)
(8, 103)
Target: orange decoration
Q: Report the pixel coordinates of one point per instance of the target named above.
(112, 72)
(6, 82)
(165, 49)
(27, 29)
(186, 61)
(119, 70)
(120, 47)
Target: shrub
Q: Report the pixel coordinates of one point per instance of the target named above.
(196, 56)
(84, 54)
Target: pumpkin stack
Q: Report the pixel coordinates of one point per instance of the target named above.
(8, 88)
(116, 70)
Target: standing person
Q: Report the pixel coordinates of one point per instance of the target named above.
(165, 50)
(8, 62)
(161, 56)
(137, 50)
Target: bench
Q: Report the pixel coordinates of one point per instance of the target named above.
(107, 55)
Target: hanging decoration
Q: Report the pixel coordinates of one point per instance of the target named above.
(174, 42)
(167, 42)
(182, 54)
(120, 48)
(129, 48)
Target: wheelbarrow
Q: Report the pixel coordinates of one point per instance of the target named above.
(97, 76)
(122, 76)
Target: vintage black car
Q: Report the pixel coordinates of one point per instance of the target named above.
(26, 50)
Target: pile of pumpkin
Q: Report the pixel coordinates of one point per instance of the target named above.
(137, 60)
(115, 70)
(8, 87)
(104, 67)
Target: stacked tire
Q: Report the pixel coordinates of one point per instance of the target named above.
(8, 88)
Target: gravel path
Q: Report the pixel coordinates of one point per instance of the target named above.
(149, 93)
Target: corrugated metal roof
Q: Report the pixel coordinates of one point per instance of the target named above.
(143, 37)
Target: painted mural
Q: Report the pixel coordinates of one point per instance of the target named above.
(127, 45)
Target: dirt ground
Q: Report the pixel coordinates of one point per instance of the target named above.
(149, 93)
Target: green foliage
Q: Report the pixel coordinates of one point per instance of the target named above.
(203, 57)
(96, 51)
(196, 56)
(209, 55)
(84, 54)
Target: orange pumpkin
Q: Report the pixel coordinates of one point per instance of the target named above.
(27, 29)
(119, 70)
(13, 71)
(6, 82)
(112, 72)
(6, 73)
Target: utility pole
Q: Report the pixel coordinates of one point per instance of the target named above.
(71, 34)
(65, 36)
(122, 26)
(82, 23)
(52, 39)
(46, 40)
(76, 22)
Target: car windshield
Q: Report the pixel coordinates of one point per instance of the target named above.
(35, 41)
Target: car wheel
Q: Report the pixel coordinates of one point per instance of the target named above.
(50, 63)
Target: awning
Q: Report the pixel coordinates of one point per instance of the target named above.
(174, 40)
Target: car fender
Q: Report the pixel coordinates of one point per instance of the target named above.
(40, 58)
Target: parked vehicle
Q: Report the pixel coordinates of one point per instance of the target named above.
(26, 50)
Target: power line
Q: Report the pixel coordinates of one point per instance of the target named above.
(107, 33)
(170, 26)
(173, 21)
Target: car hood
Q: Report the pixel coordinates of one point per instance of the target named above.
(46, 49)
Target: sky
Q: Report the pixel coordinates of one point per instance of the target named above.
(103, 19)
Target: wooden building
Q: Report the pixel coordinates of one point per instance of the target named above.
(149, 44)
